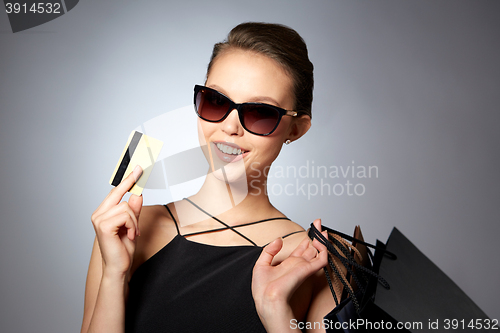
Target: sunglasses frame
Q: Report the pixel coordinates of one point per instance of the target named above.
(232, 105)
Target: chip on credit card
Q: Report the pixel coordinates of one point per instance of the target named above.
(140, 150)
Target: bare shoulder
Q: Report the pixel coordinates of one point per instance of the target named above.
(157, 229)
(155, 219)
(293, 234)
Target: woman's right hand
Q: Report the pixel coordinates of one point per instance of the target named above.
(116, 226)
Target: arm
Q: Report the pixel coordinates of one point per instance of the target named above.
(116, 226)
(104, 298)
(273, 286)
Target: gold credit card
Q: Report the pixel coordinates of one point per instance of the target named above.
(140, 150)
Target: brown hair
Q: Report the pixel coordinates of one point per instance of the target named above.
(280, 43)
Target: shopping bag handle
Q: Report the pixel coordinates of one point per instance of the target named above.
(386, 253)
(315, 233)
(348, 262)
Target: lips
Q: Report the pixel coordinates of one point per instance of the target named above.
(227, 149)
(228, 152)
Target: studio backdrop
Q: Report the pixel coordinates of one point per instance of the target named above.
(405, 130)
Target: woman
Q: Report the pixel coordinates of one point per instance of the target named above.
(192, 271)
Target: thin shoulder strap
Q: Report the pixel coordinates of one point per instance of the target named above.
(226, 225)
(283, 237)
(173, 218)
(292, 233)
(238, 226)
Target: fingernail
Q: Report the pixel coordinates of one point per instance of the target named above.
(137, 173)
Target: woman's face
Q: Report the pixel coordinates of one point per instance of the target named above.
(246, 76)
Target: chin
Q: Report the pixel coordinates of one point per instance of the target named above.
(230, 172)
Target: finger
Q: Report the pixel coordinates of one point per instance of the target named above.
(135, 204)
(122, 207)
(130, 226)
(267, 255)
(320, 261)
(316, 243)
(310, 252)
(317, 224)
(116, 194)
(112, 226)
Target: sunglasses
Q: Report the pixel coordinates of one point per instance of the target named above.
(256, 118)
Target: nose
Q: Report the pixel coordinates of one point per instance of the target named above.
(231, 125)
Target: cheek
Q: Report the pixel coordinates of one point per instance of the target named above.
(270, 148)
(277, 150)
(275, 142)
(278, 137)
(205, 130)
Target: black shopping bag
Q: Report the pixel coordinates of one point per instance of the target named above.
(421, 298)
(420, 293)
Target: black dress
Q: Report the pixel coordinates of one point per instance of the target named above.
(195, 287)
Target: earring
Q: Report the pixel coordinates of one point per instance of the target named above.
(288, 142)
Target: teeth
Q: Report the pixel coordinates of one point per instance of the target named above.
(228, 149)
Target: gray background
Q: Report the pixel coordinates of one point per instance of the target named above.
(409, 86)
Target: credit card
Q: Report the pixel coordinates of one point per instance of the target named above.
(140, 150)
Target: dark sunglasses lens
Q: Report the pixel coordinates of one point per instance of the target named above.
(211, 105)
(260, 119)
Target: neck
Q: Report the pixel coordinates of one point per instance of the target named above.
(233, 202)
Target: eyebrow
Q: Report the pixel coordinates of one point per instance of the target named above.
(255, 99)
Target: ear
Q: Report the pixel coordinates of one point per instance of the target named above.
(299, 126)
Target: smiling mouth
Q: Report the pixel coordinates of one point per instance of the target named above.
(229, 149)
